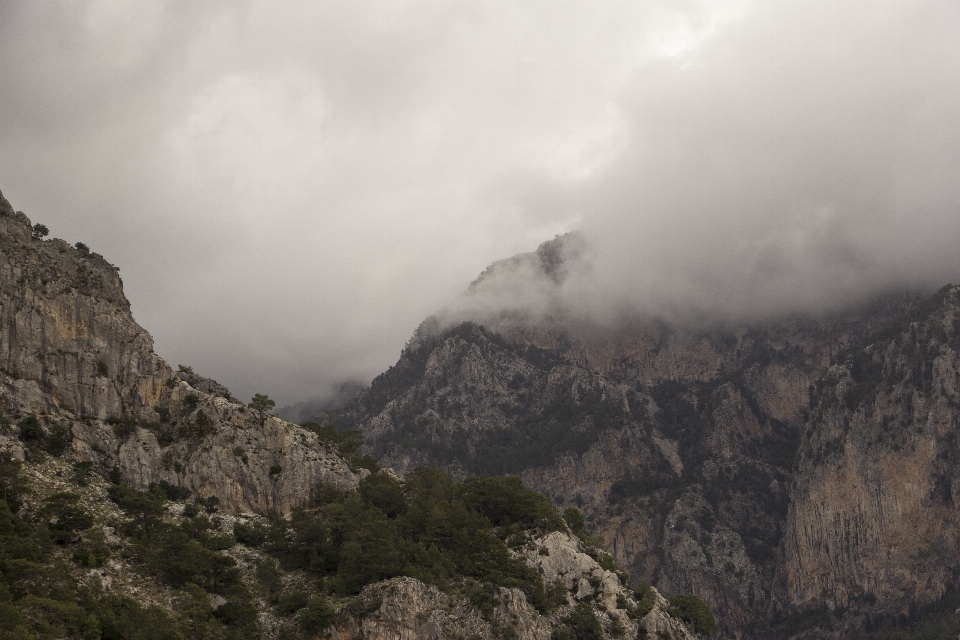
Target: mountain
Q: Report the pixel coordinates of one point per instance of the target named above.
(708, 459)
(139, 502)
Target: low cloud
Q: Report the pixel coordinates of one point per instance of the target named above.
(290, 188)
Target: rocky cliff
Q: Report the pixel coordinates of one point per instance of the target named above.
(72, 356)
(873, 525)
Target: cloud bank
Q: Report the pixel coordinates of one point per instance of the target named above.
(289, 188)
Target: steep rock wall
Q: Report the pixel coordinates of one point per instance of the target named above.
(72, 354)
(873, 522)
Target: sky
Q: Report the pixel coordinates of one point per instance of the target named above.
(290, 188)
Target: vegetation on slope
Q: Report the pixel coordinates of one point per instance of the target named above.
(86, 558)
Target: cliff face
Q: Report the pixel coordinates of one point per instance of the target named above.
(677, 443)
(873, 524)
(68, 342)
(72, 355)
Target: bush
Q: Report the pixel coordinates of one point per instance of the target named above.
(170, 491)
(292, 602)
(30, 430)
(643, 593)
(316, 616)
(39, 231)
(252, 535)
(576, 522)
(325, 493)
(92, 552)
(58, 440)
(505, 501)
(584, 623)
(326, 432)
(65, 517)
(693, 609)
(384, 493)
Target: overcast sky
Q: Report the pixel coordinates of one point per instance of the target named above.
(289, 188)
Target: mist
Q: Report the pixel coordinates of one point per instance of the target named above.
(290, 188)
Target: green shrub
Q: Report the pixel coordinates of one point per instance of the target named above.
(30, 430)
(383, 492)
(171, 492)
(12, 485)
(584, 623)
(644, 595)
(58, 440)
(315, 616)
(691, 608)
(505, 501)
(325, 493)
(326, 432)
(82, 473)
(66, 519)
(575, 520)
(292, 602)
(57, 619)
(92, 551)
(563, 632)
(252, 534)
(557, 594)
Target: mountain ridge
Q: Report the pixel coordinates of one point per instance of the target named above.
(678, 442)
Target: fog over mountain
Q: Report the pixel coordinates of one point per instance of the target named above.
(289, 188)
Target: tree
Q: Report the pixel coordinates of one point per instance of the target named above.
(39, 231)
(350, 441)
(195, 607)
(82, 248)
(315, 616)
(692, 609)
(261, 403)
(30, 430)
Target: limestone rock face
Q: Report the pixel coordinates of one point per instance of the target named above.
(67, 339)
(72, 354)
(874, 521)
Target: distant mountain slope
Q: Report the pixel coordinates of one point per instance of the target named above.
(677, 443)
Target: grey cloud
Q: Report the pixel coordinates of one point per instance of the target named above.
(290, 188)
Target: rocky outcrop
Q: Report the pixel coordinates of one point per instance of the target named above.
(72, 355)
(408, 609)
(247, 466)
